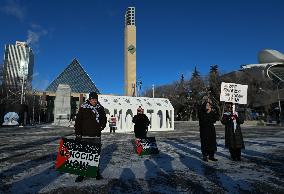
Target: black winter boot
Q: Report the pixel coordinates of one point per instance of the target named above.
(213, 159)
(99, 176)
(205, 159)
(79, 179)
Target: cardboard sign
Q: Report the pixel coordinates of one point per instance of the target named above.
(146, 146)
(81, 158)
(235, 93)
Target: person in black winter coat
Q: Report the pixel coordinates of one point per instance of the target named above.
(233, 134)
(141, 122)
(207, 117)
(90, 121)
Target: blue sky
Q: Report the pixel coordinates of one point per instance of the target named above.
(173, 36)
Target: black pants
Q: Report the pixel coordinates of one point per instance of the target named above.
(141, 134)
(112, 129)
(235, 153)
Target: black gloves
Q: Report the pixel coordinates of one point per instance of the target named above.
(78, 138)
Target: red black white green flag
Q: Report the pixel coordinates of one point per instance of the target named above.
(81, 158)
(146, 146)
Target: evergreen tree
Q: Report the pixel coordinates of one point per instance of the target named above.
(181, 100)
(196, 85)
(213, 92)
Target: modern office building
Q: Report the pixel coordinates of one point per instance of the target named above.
(18, 62)
(130, 53)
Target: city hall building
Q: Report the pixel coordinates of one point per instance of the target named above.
(80, 83)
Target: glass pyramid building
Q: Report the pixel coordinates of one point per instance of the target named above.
(76, 77)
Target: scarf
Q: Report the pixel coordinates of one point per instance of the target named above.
(94, 109)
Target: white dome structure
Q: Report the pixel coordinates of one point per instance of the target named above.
(270, 56)
(11, 119)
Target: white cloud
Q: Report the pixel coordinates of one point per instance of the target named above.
(34, 35)
(13, 8)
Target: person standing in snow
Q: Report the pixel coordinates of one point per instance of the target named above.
(112, 124)
(141, 122)
(90, 121)
(233, 133)
(207, 118)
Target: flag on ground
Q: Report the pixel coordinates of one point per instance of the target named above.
(146, 146)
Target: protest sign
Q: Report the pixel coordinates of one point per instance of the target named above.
(146, 146)
(235, 93)
(78, 157)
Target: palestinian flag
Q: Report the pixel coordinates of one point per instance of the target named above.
(146, 146)
(81, 158)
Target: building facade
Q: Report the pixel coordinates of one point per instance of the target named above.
(130, 53)
(18, 62)
(80, 84)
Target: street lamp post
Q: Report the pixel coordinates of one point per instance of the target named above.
(279, 102)
(153, 90)
(24, 73)
(22, 93)
(34, 106)
(40, 104)
(138, 85)
(23, 66)
(280, 81)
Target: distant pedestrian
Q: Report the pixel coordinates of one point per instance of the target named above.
(90, 121)
(112, 124)
(207, 117)
(141, 123)
(233, 133)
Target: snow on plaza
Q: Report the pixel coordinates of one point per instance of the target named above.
(28, 163)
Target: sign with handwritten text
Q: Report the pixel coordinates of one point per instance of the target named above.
(235, 93)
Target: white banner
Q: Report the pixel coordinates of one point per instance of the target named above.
(235, 93)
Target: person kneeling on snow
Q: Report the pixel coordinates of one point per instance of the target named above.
(141, 123)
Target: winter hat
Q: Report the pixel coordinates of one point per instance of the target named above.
(140, 110)
(93, 95)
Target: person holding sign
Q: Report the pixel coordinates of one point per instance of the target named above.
(90, 121)
(233, 134)
(141, 122)
(207, 117)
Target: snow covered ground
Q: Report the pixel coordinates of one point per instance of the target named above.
(27, 157)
